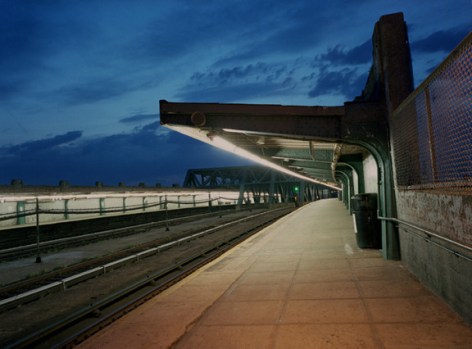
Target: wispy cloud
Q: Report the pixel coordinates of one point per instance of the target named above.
(347, 82)
(32, 147)
(139, 117)
(339, 55)
(137, 156)
(442, 40)
(238, 82)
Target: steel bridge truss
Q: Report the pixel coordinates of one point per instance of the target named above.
(265, 185)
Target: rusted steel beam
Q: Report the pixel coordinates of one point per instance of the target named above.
(289, 121)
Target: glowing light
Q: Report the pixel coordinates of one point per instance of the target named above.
(221, 143)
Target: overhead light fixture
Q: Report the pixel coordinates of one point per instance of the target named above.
(221, 143)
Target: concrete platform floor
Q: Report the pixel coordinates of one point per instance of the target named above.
(301, 283)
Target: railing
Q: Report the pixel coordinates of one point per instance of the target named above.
(431, 237)
(30, 209)
(432, 128)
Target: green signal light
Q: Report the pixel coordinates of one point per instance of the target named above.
(295, 189)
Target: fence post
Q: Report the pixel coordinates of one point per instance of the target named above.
(66, 208)
(38, 255)
(167, 214)
(101, 204)
(20, 208)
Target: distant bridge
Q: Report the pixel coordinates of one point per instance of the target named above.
(265, 184)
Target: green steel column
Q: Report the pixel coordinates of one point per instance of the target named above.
(101, 205)
(301, 193)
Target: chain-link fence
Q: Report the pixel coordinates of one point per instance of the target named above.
(432, 128)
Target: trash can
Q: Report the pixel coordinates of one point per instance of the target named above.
(366, 224)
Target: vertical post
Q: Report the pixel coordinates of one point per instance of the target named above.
(271, 188)
(101, 204)
(38, 255)
(66, 208)
(167, 214)
(301, 193)
(241, 189)
(20, 208)
(194, 203)
(144, 203)
(124, 204)
(219, 208)
(209, 201)
(431, 141)
(178, 201)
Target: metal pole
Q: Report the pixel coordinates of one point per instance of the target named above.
(38, 255)
(167, 214)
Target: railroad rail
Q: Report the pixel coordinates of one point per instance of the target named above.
(74, 326)
(80, 239)
(31, 234)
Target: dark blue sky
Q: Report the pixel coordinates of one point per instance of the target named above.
(80, 81)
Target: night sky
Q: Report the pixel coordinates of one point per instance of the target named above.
(80, 81)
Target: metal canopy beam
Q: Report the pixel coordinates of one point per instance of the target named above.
(284, 121)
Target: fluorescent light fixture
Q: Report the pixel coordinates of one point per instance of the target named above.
(217, 141)
(221, 143)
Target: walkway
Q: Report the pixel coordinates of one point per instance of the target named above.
(301, 283)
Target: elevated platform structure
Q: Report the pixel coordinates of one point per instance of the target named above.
(418, 143)
(300, 283)
(326, 145)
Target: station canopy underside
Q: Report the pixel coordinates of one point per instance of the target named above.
(301, 141)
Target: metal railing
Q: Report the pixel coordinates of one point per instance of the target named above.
(432, 128)
(429, 235)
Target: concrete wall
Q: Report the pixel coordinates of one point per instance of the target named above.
(450, 216)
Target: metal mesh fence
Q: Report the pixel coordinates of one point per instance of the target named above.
(432, 128)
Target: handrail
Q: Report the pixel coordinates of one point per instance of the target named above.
(430, 234)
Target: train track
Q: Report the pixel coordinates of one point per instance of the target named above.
(75, 324)
(24, 248)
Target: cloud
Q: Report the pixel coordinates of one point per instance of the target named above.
(237, 92)
(238, 83)
(141, 155)
(92, 91)
(32, 147)
(286, 30)
(33, 34)
(258, 72)
(442, 40)
(347, 82)
(340, 56)
(139, 118)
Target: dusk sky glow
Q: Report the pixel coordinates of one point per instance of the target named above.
(80, 81)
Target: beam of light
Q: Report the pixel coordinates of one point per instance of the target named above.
(221, 143)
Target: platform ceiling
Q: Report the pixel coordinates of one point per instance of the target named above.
(302, 141)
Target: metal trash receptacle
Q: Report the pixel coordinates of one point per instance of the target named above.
(367, 226)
